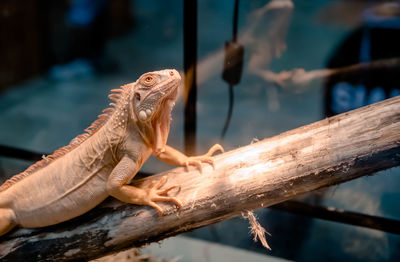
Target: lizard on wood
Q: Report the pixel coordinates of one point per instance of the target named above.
(102, 161)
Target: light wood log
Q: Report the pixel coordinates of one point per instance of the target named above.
(321, 154)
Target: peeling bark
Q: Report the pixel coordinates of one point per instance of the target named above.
(321, 154)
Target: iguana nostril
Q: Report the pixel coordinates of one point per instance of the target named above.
(171, 73)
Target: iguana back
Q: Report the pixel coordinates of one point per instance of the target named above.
(91, 130)
(74, 174)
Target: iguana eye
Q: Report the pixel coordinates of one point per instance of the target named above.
(148, 80)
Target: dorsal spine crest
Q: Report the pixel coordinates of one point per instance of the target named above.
(119, 96)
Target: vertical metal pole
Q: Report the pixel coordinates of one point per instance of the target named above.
(190, 66)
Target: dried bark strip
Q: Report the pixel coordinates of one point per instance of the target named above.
(325, 153)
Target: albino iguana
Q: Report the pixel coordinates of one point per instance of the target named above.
(102, 161)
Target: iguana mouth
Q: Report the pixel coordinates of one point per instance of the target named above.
(170, 90)
(169, 101)
(169, 93)
(173, 89)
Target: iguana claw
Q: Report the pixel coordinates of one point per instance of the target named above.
(207, 158)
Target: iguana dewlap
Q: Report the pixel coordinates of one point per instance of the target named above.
(102, 161)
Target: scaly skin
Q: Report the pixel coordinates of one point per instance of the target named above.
(103, 161)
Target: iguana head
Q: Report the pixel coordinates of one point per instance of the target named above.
(154, 93)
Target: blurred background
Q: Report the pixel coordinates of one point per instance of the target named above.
(263, 68)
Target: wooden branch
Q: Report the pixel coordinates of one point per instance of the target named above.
(325, 153)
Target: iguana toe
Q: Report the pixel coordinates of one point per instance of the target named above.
(156, 194)
(206, 158)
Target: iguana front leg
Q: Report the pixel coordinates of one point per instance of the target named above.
(117, 187)
(172, 156)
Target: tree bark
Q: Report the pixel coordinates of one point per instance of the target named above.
(321, 154)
